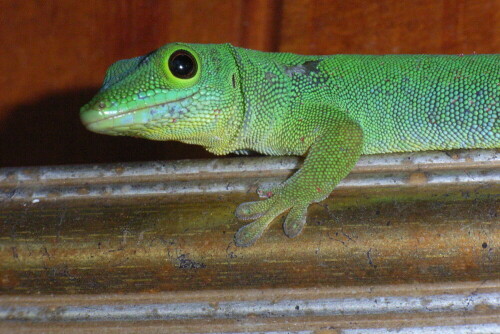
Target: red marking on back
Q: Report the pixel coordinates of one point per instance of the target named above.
(318, 190)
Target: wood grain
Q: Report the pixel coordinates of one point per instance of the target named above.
(169, 226)
(55, 53)
(388, 26)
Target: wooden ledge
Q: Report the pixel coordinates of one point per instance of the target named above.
(167, 228)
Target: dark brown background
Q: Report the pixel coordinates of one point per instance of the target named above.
(54, 54)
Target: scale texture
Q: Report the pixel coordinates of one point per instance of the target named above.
(330, 109)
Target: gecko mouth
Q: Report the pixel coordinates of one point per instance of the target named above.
(102, 120)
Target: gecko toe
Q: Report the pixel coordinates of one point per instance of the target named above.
(295, 221)
(248, 234)
(251, 210)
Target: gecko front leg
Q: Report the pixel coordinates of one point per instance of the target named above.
(333, 153)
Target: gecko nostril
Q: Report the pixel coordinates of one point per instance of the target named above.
(102, 105)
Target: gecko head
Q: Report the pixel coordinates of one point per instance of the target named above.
(185, 92)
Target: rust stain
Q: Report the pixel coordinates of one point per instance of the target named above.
(83, 191)
(119, 170)
(417, 178)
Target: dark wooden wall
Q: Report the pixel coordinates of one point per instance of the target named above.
(54, 54)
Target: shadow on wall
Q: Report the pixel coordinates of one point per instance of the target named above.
(49, 132)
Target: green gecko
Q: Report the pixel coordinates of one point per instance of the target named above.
(330, 109)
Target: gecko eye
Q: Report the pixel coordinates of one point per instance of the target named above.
(182, 64)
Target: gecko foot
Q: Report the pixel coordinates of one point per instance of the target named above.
(268, 192)
(265, 212)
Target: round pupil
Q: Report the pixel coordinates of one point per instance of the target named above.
(182, 64)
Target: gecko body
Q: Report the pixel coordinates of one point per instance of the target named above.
(330, 109)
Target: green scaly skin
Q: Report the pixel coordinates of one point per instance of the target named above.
(330, 108)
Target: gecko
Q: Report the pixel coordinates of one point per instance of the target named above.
(329, 109)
